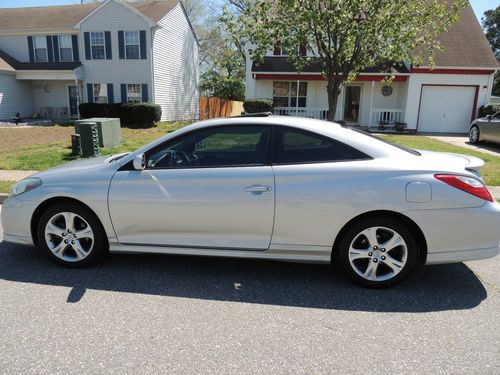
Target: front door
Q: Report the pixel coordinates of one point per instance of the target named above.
(352, 105)
(210, 188)
(73, 101)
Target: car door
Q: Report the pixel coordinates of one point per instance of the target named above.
(210, 188)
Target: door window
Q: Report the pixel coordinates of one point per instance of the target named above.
(295, 146)
(227, 146)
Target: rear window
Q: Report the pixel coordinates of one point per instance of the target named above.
(403, 148)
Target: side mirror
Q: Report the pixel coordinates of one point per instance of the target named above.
(139, 162)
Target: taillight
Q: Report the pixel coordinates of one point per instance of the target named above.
(468, 184)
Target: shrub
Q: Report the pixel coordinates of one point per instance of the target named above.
(132, 115)
(488, 110)
(258, 105)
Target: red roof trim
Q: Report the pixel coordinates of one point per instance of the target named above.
(318, 77)
(452, 71)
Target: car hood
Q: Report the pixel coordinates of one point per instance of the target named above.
(81, 165)
(451, 160)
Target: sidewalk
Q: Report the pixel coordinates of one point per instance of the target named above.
(14, 175)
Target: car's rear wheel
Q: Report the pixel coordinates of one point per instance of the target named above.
(474, 135)
(71, 235)
(378, 252)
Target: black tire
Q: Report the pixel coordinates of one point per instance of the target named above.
(95, 249)
(474, 135)
(355, 233)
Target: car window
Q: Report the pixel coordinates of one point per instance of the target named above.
(214, 147)
(298, 146)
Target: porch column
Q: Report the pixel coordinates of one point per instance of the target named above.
(371, 104)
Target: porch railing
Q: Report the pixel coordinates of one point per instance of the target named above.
(386, 116)
(317, 113)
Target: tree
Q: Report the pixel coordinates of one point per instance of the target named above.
(347, 36)
(491, 26)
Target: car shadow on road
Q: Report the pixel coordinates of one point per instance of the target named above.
(436, 288)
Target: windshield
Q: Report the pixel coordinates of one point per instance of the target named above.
(409, 150)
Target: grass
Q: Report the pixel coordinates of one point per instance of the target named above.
(490, 172)
(5, 186)
(28, 151)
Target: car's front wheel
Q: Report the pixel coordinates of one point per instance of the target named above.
(378, 252)
(71, 235)
(474, 135)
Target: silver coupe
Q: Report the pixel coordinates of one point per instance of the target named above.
(485, 129)
(268, 187)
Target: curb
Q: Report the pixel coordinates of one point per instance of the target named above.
(3, 197)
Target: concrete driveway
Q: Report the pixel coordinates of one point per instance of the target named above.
(463, 141)
(195, 315)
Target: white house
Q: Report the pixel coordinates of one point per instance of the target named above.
(443, 99)
(53, 58)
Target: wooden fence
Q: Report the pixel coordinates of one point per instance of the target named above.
(216, 107)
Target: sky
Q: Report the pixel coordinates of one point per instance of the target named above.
(479, 5)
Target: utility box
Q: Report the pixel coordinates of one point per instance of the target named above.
(75, 145)
(89, 139)
(109, 130)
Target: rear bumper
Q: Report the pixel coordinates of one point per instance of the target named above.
(462, 234)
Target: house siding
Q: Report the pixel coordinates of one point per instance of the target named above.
(56, 97)
(176, 72)
(15, 96)
(15, 46)
(114, 17)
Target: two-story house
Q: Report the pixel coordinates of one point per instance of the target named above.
(54, 58)
(443, 99)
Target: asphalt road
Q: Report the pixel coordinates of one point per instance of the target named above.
(195, 315)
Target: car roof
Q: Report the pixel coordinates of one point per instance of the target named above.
(369, 145)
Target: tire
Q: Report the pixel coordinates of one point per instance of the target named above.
(474, 135)
(77, 244)
(366, 262)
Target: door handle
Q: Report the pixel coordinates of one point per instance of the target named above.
(257, 189)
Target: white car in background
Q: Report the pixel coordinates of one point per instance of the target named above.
(265, 187)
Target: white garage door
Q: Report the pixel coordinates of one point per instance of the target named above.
(446, 109)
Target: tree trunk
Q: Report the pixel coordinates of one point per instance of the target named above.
(333, 91)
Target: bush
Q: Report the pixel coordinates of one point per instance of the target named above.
(258, 105)
(488, 110)
(131, 115)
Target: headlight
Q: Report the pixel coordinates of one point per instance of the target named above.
(25, 185)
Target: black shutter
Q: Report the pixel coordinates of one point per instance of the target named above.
(124, 92)
(144, 54)
(121, 45)
(90, 93)
(107, 38)
(145, 94)
(30, 48)
(111, 94)
(88, 55)
(50, 48)
(76, 52)
(55, 42)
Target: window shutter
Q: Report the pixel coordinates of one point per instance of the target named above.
(121, 45)
(107, 37)
(50, 48)
(145, 94)
(86, 37)
(124, 92)
(30, 48)
(277, 49)
(111, 94)
(55, 42)
(144, 54)
(90, 93)
(302, 50)
(76, 52)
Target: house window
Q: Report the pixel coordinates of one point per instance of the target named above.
(97, 45)
(65, 48)
(132, 44)
(40, 47)
(134, 94)
(100, 93)
(285, 94)
(278, 51)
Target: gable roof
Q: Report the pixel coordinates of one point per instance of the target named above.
(465, 44)
(67, 16)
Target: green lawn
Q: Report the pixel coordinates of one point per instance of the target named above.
(490, 172)
(5, 186)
